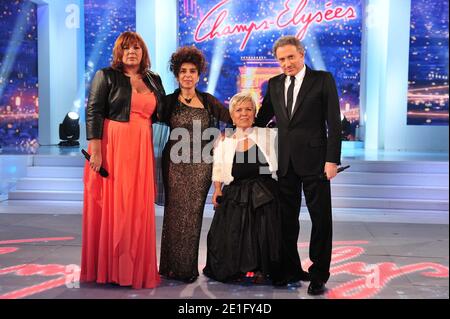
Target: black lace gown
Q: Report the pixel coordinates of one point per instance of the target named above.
(245, 234)
(186, 190)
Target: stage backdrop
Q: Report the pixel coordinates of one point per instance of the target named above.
(237, 38)
(428, 63)
(104, 21)
(18, 73)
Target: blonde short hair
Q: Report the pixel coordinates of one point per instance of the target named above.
(242, 97)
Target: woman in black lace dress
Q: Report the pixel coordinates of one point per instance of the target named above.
(187, 165)
(245, 234)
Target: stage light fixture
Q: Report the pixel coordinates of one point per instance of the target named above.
(69, 130)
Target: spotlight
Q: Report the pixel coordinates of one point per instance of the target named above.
(69, 130)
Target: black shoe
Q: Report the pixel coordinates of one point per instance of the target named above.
(316, 288)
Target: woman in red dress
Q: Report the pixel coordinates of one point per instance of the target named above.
(119, 238)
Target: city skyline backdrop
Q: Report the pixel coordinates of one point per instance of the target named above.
(334, 46)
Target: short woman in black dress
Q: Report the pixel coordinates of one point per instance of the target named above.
(245, 234)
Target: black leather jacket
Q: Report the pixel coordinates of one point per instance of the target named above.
(110, 98)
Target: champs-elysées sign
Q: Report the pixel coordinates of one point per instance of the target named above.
(217, 23)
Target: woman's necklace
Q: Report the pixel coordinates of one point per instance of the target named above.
(188, 100)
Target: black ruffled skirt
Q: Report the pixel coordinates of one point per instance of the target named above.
(245, 234)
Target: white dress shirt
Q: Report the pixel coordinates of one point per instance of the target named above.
(298, 84)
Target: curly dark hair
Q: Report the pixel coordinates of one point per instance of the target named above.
(187, 54)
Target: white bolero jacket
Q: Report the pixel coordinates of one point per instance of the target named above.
(265, 138)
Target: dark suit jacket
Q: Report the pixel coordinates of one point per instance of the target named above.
(312, 136)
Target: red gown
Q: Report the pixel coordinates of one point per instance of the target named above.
(119, 236)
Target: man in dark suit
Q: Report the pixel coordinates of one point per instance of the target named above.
(306, 107)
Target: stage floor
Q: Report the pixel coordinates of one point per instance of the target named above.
(40, 254)
(378, 253)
